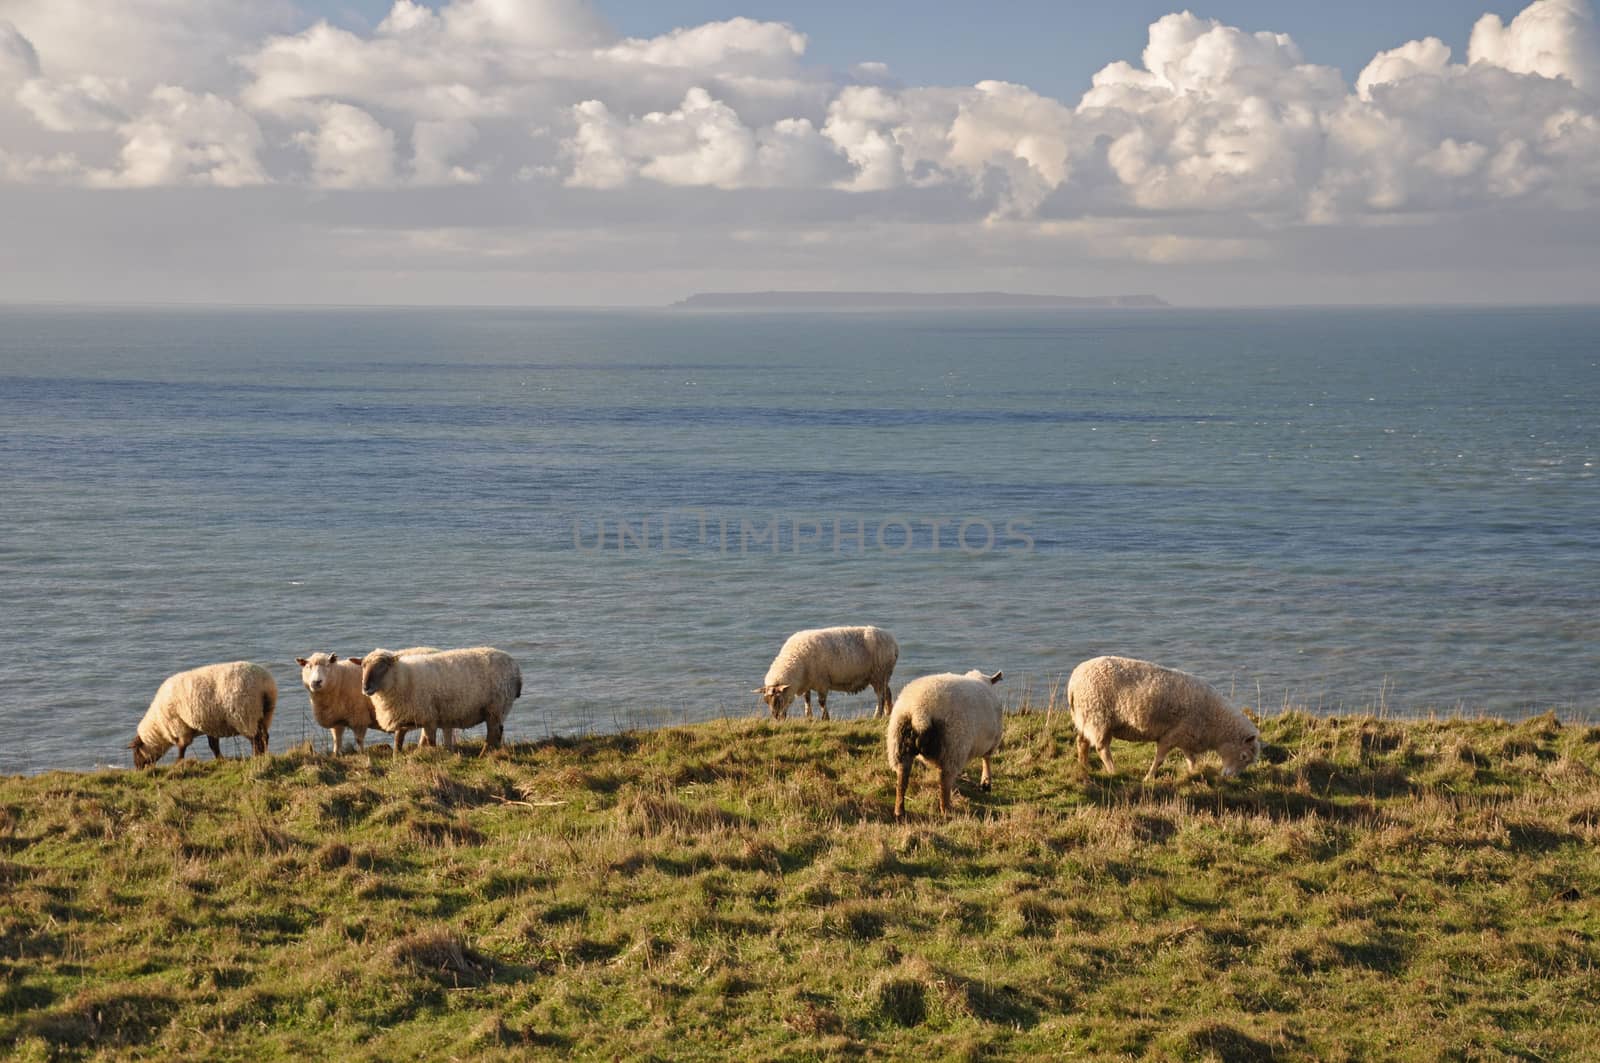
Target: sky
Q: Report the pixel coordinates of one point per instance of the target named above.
(566, 152)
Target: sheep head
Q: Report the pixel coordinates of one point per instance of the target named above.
(375, 670)
(1240, 750)
(777, 696)
(315, 670)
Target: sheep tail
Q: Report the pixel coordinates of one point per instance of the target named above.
(258, 741)
(909, 743)
(905, 741)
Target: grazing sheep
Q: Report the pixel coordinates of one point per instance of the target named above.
(217, 700)
(848, 659)
(451, 689)
(1120, 697)
(943, 721)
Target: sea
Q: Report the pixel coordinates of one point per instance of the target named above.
(1342, 510)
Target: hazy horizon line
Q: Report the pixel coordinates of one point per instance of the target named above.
(174, 304)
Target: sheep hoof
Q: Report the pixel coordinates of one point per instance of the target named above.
(985, 786)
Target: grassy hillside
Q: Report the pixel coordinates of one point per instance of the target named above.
(1371, 889)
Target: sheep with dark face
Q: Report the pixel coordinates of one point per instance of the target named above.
(1136, 701)
(452, 688)
(944, 721)
(847, 659)
(216, 700)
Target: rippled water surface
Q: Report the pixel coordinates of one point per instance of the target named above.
(1337, 509)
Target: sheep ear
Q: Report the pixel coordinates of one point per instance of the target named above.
(333, 658)
(779, 688)
(355, 661)
(301, 661)
(759, 690)
(996, 678)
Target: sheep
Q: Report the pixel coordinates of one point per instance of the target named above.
(452, 689)
(1120, 697)
(943, 721)
(446, 734)
(216, 700)
(334, 687)
(848, 659)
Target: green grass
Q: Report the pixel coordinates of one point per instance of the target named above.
(1372, 889)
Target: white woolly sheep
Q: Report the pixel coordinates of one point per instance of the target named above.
(943, 721)
(334, 687)
(1136, 701)
(446, 734)
(452, 688)
(848, 659)
(217, 700)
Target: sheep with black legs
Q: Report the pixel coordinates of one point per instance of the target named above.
(216, 700)
(944, 721)
(1137, 701)
(847, 659)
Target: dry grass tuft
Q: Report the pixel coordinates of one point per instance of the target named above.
(441, 954)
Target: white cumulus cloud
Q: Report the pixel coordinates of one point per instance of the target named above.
(1551, 38)
(1215, 141)
(349, 149)
(181, 137)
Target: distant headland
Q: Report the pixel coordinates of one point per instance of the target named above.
(912, 301)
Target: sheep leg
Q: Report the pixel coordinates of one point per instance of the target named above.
(360, 734)
(985, 780)
(216, 747)
(1105, 757)
(183, 747)
(947, 783)
(399, 740)
(822, 702)
(448, 736)
(902, 776)
(495, 731)
(426, 739)
(885, 700)
(1083, 752)
(338, 738)
(1163, 747)
(808, 704)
